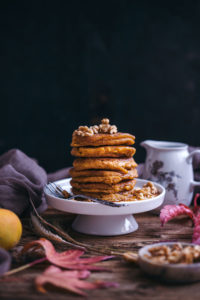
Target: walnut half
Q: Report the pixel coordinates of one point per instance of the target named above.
(83, 131)
(105, 127)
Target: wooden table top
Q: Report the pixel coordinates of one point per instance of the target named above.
(133, 284)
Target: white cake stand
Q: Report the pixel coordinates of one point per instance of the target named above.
(97, 219)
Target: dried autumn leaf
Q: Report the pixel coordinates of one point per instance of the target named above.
(69, 280)
(196, 232)
(69, 259)
(169, 212)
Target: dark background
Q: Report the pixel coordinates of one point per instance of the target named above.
(65, 64)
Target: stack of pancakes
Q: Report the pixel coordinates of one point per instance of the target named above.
(104, 167)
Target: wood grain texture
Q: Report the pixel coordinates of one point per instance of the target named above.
(133, 283)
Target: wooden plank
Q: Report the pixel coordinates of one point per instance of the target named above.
(133, 283)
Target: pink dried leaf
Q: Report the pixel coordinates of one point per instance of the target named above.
(68, 259)
(196, 206)
(69, 280)
(169, 212)
(196, 232)
(196, 236)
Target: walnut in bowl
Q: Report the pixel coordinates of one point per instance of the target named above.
(172, 262)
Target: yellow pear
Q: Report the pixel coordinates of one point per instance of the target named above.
(10, 229)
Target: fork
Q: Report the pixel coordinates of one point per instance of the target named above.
(58, 191)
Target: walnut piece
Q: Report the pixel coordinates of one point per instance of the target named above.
(66, 194)
(113, 129)
(146, 192)
(83, 131)
(95, 128)
(176, 254)
(105, 121)
(104, 127)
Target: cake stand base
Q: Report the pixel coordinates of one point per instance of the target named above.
(105, 225)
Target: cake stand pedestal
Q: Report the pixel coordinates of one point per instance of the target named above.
(105, 225)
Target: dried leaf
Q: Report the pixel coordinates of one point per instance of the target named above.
(196, 232)
(39, 224)
(41, 230)
(68, 259)
(55, 233)
(169, 212)
(69, 280)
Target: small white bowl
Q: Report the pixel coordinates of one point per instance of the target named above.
(177, 273)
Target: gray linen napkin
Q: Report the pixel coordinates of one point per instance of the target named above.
(5, 261)
(20, 178)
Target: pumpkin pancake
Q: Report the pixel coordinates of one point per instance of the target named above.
(114, 197)
(102, 173)
(106, 151)
(101, 139)
(109, 178)
(119, 164)
(126, 185)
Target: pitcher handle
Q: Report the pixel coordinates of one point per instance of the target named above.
(190, 156)
(195, 183)
(189, 160)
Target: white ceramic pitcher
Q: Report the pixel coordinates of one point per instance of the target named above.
(170, 164)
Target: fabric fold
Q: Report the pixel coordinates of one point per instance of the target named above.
(5, 261)
(21, 177)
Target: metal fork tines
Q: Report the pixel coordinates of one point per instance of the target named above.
(57, 188)
(58, 191)
(53, 190)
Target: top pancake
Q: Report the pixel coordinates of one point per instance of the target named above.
(104, 151)
(101, 139)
